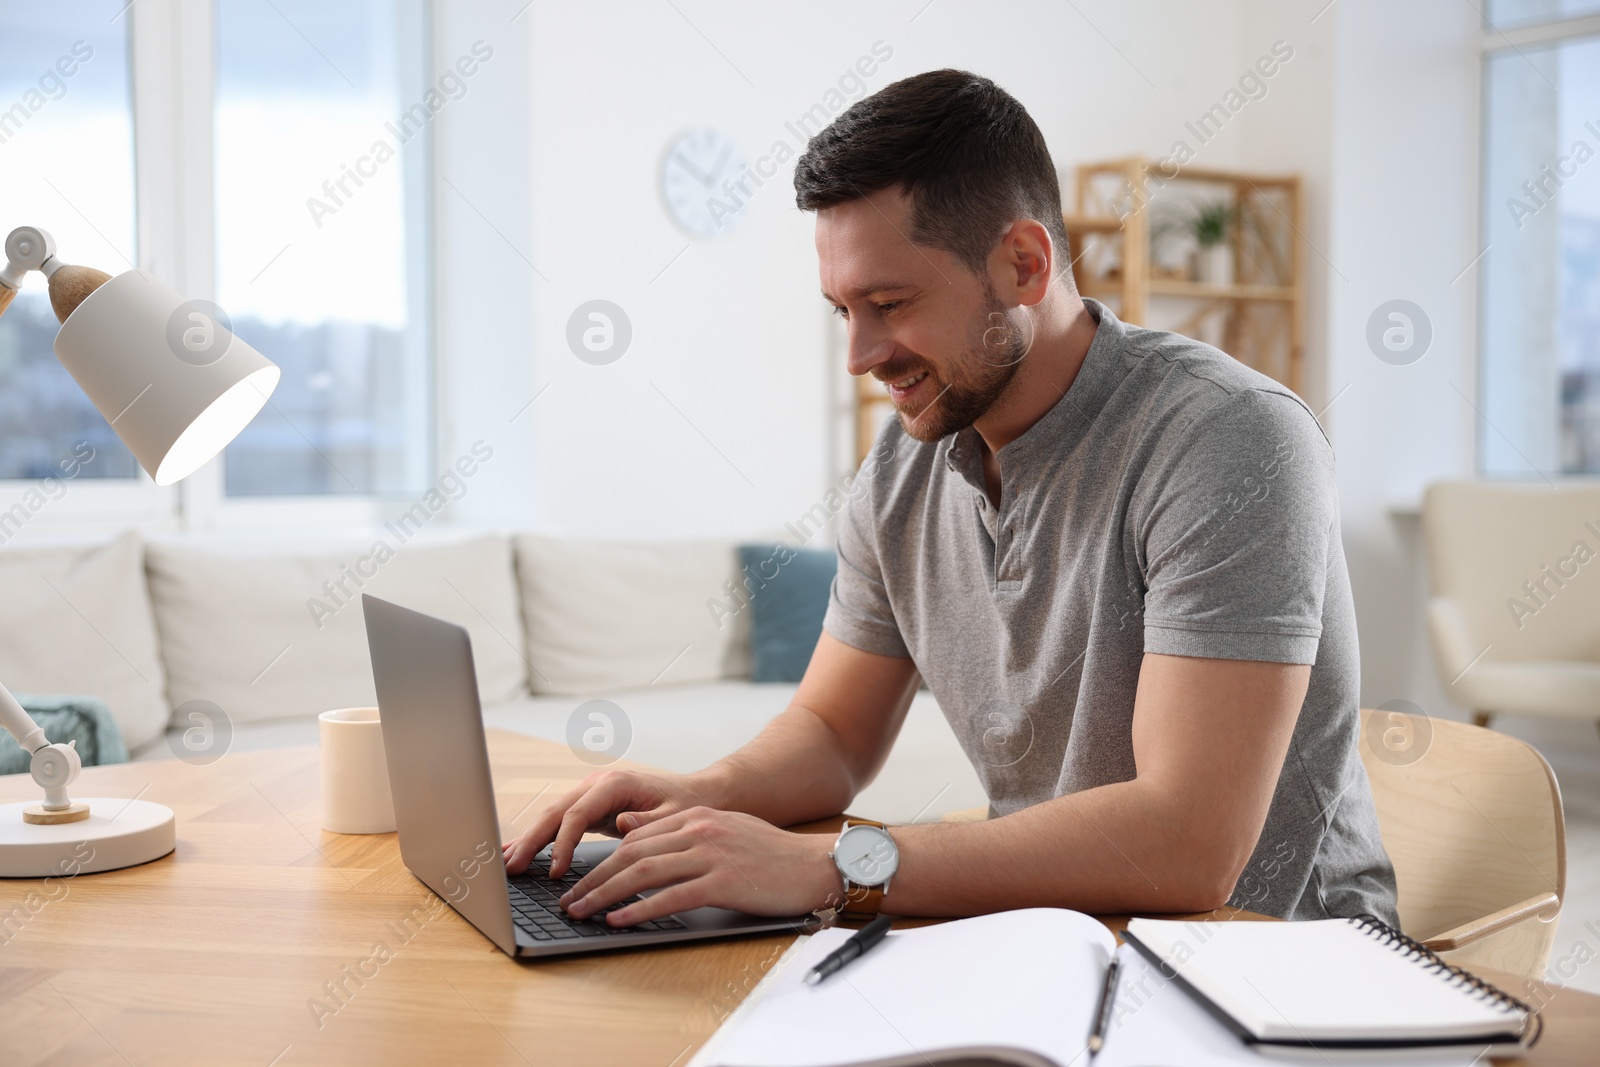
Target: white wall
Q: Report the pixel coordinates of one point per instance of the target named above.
(734, 332)
(1403, 224)
(484, 240)
(1291, 130)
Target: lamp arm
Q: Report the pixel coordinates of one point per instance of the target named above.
(53, 766)
(27, 248)
(20, 724)
(30, 248)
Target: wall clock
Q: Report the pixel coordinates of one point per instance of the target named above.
(699, 183)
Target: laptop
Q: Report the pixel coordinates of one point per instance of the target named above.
(445, 812)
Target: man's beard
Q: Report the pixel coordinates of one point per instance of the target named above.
(995, 350)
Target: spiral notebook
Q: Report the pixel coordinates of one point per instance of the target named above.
(1333, 984)
(1019, 988)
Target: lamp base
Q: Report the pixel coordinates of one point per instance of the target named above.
(118, 833)
(39, 815)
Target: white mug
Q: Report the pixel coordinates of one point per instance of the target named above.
(355, 774)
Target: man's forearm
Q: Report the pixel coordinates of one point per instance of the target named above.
(1112, 849)
(1209, 739)
(795, 770)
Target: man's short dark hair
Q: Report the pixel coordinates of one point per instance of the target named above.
(963, 149)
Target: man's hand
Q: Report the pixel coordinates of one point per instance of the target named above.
(609, 802)
(807, 764)
(704, 856)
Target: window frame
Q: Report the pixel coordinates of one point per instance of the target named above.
(95, 502)
(1496, 41)
(172, 71)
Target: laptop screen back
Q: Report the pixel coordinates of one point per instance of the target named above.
(439, 763)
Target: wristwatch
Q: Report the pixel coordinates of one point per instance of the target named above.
(867, 858)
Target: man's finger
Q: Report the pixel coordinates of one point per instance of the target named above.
(650, 872)
(675, 898)
(544, 821)
(625, 856)
(662, 820)
(543, 830)
(637, 819)
(540, 831)
(596, 806)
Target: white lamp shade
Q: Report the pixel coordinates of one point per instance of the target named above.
(172, 408)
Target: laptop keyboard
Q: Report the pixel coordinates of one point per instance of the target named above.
(533, 906)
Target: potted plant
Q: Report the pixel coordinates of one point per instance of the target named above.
(1200, 230)
(1213, 257)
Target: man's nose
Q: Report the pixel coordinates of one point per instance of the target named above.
(868, 348)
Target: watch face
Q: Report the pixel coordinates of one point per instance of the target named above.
(866, 855)
(701, 176)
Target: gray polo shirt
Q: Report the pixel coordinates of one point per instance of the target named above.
(1174, 501)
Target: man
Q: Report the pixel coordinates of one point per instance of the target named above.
(1112, 553)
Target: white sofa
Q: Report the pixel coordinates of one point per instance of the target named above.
(258, 638)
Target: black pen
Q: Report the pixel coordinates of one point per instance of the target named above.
(1102, 1015)
(864, 939)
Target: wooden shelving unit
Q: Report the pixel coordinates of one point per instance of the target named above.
(1258, 317)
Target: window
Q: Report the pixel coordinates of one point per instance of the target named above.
(66, 166)
(1508, 14)
(314, 242)
(321, 262)
(1540, 335)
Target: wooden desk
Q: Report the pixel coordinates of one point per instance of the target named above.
(220, 953)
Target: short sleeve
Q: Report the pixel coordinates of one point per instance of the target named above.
(1236, 535)
(859, 612)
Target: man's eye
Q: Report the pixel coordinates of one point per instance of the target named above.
(889, 306)
(841, 311)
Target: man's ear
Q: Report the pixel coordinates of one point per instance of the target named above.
(1023, 263)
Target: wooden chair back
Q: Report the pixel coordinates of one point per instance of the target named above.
(1472, 821)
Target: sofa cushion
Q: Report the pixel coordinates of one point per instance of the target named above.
(65, 719)
(76, 619)
(266, 636)
(790, 590)
(607, 615)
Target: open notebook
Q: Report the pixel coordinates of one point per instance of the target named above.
(1333, 983)
(1018, 987)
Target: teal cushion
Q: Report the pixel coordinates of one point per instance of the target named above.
(789, 596)
(84, 719)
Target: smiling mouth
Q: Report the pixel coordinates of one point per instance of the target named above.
(902, 388)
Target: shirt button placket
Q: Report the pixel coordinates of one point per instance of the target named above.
(1004, 567)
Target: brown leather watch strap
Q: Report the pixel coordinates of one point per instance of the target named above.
(862, 902)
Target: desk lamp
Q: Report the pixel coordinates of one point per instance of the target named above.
(176, 386)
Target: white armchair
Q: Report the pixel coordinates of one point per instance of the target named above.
(1515, 609)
